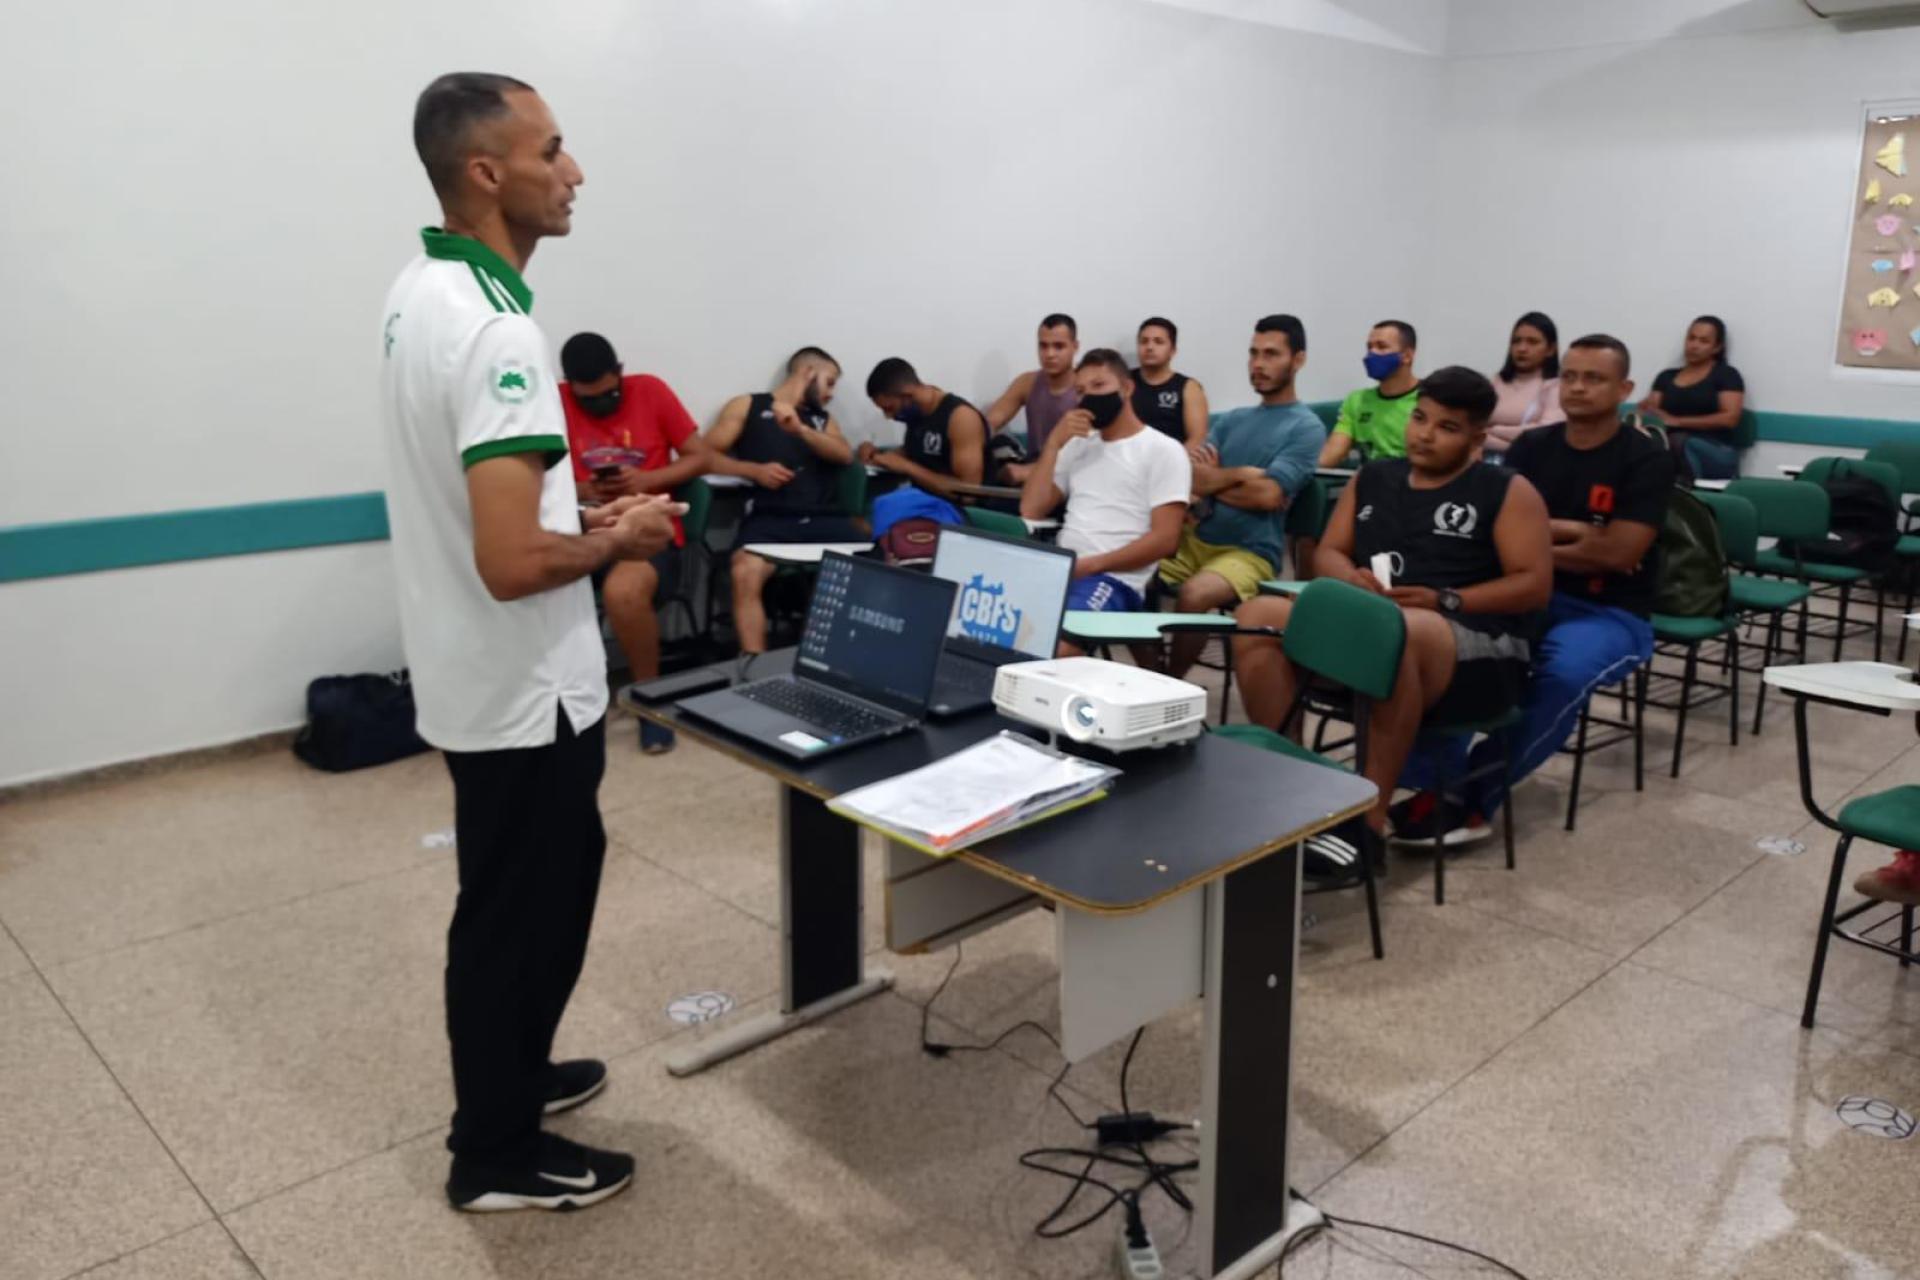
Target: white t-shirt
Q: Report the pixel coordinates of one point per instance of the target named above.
(465, 376)
(1112, 488)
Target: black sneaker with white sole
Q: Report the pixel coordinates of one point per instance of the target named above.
(564, 1176)
(1332, 859)
(571, 1083)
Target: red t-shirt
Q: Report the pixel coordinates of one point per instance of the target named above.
(646, 431)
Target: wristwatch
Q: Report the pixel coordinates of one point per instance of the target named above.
(1449, 600)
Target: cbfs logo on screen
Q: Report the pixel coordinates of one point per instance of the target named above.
(986, 614)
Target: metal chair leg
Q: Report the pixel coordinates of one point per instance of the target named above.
(1373, 895)
(1826, 929)
(1639, 727)
(1506, 779)
(1840, 627)
(1906, 937)
(1733, 689)
(1686, 698)
(1766, 660)
(1579, 763)
(1439, 841)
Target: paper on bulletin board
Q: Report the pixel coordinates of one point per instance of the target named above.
(1881, 295)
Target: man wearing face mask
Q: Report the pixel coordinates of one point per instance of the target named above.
(946, 438)
(1125, 485)
(790, 448)
(629, 434)
(1374, 419)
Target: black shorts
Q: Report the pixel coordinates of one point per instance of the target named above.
(667, 564)
(781, 526)
(1489, 676)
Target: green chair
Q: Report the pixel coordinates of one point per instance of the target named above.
(1887, 476)
(1798, 511)
(1751, 596)
(1687, 635)
(1307, 520)
(1904, 457)
(851, 491)
(996, 522)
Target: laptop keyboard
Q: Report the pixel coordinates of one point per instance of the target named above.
(960, 681)
(822, 708)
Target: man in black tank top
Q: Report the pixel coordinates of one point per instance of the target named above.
(1171, 403)
(946, 438)
(790, 450)
(1471, 564)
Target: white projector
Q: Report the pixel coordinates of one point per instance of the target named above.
(1109, 704)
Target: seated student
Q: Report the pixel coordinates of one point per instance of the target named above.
(1528, 383)
(1374, 419)
(1605, 485)
(1169, 402)
(1248, 471)
(1044, 395)
(790, 447)
(946, 438)
(1473, 566)
(1701, 402)
(628, 433)
(1125, 486)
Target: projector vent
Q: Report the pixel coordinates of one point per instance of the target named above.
(1147, 719)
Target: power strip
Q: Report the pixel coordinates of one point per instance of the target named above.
(1139, 1262)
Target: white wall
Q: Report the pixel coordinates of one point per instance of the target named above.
(1627, 166)
(210, 201)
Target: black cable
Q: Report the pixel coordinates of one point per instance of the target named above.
(1415, 1235)
(1157, 1173)
(1053, 1092)
(940, 1049)
(1083, 1178)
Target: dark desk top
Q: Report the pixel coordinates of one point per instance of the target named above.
(1198, 810)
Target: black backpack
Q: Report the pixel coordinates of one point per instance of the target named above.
(1693, 580)
(354, 722)
(1864, 527)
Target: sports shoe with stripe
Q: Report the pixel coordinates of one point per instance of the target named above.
(1414, 820)
(563, 1176)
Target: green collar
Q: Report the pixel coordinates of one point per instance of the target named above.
(445, 244)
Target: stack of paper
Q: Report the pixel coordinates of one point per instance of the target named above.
(992, 787)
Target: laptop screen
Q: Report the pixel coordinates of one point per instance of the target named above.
(876, 630)
(1012, 595)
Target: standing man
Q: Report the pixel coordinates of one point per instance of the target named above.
(945, 440)
(629, 434)
(1246, 473)
(497, 620)
(1045, 394)
(1171, 403)
(1606, 486)
(789, 446)
(1374, 419)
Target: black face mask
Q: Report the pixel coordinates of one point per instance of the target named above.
(1104, 409)
(599, 406)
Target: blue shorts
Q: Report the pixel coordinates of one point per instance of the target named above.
(1103, 593)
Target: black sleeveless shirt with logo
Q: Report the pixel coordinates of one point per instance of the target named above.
(1163, 407)
(814, 488)
(1437, 537)
(928, 442)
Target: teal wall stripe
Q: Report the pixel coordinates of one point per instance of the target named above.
(125, 542)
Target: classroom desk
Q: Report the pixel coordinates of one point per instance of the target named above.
(803, 552)
(1712, 486)
(741, 482)
(1341, 474)
(1037, 527)
(977, 492)
(1164, 891)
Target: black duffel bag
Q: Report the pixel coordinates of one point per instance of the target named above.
(1864, 527)
(355, 722)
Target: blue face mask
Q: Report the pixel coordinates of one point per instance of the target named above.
(1382, 364)
(908, 413)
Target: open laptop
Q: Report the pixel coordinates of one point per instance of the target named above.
(865, 667)
(1011, 600)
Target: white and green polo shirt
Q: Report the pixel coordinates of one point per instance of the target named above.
(465, 376)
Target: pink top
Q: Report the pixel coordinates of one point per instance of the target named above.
(1527, 402)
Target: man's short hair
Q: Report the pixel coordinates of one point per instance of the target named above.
(587, 357)
(1605, 342)
(1459, 388)
(1060, 320)
(1290, 325)
(1173, 330)
(1107, 357)
(444, 117)
(805, 354)
(1408, 340)
(891, 377)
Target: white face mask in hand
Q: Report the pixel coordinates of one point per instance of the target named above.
(1382, 566)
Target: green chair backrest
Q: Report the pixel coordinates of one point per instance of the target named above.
(1793, 509)
(1904, 455)
(698, 495)
(996, 522)
(1739, 525)
(1747, 432)
(1884, 473)
(1307, 516)
(852, 491)
(1350, 636)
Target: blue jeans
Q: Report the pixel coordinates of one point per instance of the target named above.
(1587, 647)
(1709, 458)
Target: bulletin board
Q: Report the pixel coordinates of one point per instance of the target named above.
(1880, 300)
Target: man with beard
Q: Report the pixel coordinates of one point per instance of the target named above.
(1246, 473)
(1043, 396)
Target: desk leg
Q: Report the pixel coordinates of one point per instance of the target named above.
(821, 938)
(1246, 1214)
